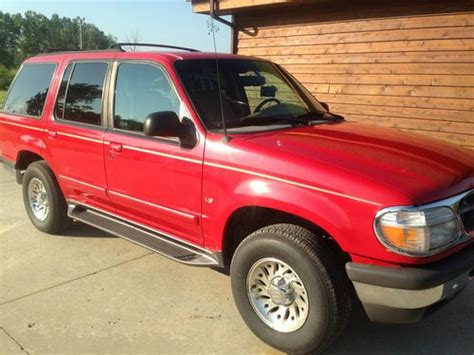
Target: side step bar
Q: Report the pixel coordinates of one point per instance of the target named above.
(162, 244)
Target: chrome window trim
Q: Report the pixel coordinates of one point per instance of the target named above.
(450, 202)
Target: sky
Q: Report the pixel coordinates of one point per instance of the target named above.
(155, 21)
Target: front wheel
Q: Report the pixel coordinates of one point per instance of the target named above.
(290, 288)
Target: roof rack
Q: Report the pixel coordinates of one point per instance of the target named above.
(120, 45)
(71, 50)
(54, 50)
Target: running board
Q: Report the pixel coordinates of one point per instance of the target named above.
(158, 242)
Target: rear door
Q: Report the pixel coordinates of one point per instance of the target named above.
(152, 181)
(76, 132)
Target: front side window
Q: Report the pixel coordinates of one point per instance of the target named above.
(141, 89)
(252, 93)
(80, 93)
(29, 90)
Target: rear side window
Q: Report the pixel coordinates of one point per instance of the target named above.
(80, 93)
(29, 90)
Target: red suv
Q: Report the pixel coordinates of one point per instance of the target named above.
(227, 161)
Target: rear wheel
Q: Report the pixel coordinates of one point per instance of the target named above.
(290, 288)
(43, 199)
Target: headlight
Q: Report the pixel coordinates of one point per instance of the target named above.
(417, 232)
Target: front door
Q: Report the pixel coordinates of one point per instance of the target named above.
(151, 181)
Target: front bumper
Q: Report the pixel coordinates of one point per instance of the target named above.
(405, 295)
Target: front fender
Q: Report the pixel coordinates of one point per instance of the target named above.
(222, 199)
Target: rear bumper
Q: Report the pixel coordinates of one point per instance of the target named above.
(405, 295)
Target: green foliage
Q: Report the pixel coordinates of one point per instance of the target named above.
(6, 76)
(25, 35)
(2, 97)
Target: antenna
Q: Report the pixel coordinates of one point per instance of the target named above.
(226, 138)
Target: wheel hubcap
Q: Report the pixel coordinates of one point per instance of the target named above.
(277, 295)
(38, 199)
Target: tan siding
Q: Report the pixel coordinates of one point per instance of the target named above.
(413, 70)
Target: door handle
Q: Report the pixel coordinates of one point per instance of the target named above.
(52, 134)
(116, 147)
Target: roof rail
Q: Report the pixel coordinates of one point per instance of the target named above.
(54, 50)
(119, 46)
(69, 50)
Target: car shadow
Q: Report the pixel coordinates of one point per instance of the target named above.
(449, 331)
(82, 230)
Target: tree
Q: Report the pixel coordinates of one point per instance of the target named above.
(6, 76)
(10, 32)
(133, 37)
(32, 33)
(22, 36)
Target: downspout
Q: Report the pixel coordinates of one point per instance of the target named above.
(232, 25)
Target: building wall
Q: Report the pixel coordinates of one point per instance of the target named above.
(408, 65)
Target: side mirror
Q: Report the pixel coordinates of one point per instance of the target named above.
(325, 105)
(167, 124)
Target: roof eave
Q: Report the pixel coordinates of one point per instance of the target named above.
(229, 7)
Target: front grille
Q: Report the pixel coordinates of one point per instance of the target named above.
(466, 211)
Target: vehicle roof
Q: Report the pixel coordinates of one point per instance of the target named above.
(169, 56)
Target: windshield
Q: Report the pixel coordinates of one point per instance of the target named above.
(253, 92)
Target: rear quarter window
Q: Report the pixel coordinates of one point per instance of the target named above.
(28, 92)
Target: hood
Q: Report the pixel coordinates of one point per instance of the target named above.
(421, 168)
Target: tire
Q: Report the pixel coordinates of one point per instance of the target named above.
(303, 256)
(39, 177)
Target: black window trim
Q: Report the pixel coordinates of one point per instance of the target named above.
(103, 120)
(60, 82)
(47, 95)
(111, 104)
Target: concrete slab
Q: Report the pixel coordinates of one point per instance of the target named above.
(32, 261)
(6, 174)
(8, 345)
(150, 305)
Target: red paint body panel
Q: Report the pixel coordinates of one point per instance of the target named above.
(336, 176)
(169, 189)
(352, 185)
(20, 134)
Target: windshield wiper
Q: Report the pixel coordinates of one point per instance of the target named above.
(306, 119)
(320, 116)
(266, 120)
